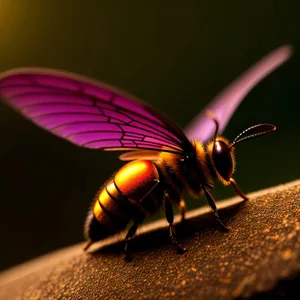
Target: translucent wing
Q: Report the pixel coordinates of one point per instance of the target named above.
(225, 104)
(88, 113)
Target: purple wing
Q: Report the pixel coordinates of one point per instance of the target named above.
(88, 113)
(225, 104)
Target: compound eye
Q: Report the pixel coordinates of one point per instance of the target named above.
(222, 159)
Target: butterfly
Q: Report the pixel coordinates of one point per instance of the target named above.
(163, 161)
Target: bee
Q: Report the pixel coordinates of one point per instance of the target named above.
(163, 162)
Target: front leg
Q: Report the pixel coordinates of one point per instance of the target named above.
(212, 204)
(168, 209)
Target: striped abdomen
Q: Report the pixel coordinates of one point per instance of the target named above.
(133, 193)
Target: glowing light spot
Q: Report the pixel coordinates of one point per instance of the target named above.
(129, 170)
(218, 146)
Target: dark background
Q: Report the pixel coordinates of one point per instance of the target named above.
(176, 55)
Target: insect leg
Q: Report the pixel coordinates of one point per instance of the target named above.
(236, 189)
(212, 204)
(174, 196)
(170, 218)
(131, 232)
(87, 245)
(154, 186)
(182, 208)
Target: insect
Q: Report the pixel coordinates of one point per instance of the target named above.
(164, 161)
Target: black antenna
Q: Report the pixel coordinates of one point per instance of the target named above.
(211, 114)
(253, 132)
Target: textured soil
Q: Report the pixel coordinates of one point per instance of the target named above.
(258, 258)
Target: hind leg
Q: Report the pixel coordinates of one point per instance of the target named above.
(131, 232)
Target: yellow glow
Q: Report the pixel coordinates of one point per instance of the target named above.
(20, 29)
(97, 210)
(9, 19)
(104, 198)
(134, 168)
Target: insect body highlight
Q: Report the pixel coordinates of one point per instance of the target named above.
(164, 161)
(122, 200)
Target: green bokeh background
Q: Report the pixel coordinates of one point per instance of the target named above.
(176, 55)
